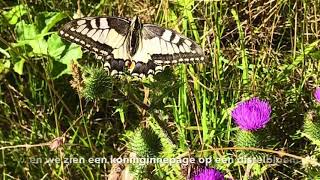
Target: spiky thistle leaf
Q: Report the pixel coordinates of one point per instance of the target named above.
(98, 84)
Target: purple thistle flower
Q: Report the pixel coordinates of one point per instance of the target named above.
(252, 114)
(317, 94)
(208, 174)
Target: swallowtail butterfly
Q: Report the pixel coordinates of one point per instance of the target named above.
(141, 49)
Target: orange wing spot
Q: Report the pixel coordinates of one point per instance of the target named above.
(130, 64)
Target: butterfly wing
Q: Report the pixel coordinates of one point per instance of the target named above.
(105, 36)
(163, 47)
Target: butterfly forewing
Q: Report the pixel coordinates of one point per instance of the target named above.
(105, 36)
(175, 48)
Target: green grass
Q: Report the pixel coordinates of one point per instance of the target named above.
(265, 49)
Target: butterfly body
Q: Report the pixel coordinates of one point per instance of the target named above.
(122, 44)
(134, 36)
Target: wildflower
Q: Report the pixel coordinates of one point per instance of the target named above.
(317, 94)
(208, 174)
(252, 114)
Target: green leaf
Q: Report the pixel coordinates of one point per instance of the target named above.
(28, 34)
(4, 64)
(4, 52)
(15, 13)
(259, 169)
(57, 69)
(73, 53)
(18, 66)
(315, 55)
(307, 50)
(39, 46)
(52, 21)
(55, 46)
(120, 110)
(25, 31)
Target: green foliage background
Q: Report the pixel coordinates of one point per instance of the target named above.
(268, 49)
